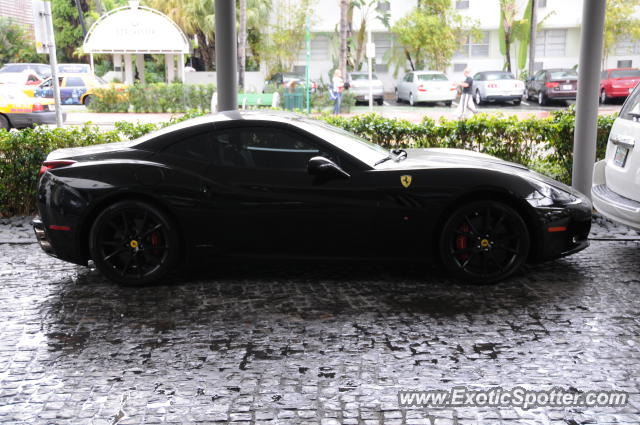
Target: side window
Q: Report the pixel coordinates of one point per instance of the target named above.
(539, 76)
(74, 82)
(197, 147)
(631, 108)
(265, 148)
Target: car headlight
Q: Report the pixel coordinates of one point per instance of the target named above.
(546, 196)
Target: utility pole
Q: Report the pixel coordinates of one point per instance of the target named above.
(532, 37)
(308, 46)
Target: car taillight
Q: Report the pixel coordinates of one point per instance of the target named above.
(421, 87)
(552, 84)
(453, 87)
(50, 165)
(37, 107)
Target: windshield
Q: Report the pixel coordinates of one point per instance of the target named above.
(564, 74)
(363, 77)
(625, 73)
(73, 68)
(365, 151)
(432, 77)
(499, 76)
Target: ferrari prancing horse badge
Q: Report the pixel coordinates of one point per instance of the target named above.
(405, 180)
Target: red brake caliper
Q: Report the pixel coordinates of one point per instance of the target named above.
(155, 241)
(462, 241)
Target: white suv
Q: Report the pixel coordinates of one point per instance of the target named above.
(616, 179)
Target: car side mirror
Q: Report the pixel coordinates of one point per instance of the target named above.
(326, 169)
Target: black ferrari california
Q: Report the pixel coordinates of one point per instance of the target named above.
(280, 185)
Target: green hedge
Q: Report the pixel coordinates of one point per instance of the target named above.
(543, 144)
(157, 97)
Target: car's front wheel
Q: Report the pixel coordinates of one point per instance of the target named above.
(542, 99)
(134, 242)
(478, 98)
(484, 242)
(603, 97)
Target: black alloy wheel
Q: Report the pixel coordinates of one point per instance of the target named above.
(484, 242)
(134, 243)
(4, 123)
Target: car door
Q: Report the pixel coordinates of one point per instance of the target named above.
(622, 171)
(538, 83)
(262, 200)
(73, 87)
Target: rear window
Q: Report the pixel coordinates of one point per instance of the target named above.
(499, 76)
(631, 108)
(625, 73)
(559, 75)
(432, 77)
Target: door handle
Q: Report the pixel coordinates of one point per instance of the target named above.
(626, 141)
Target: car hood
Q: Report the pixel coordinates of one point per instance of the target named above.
(450, 158)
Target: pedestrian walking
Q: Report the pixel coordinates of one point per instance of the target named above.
(338, 86)
(466, 100)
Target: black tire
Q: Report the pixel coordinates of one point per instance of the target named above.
(4, 123)
(448, 103)
(484, 242)
(478, 98)
(517, 102)
(412, 101)
(380, 102)
(603, 97)
(87, 100)
(134, 243)
(542, 99)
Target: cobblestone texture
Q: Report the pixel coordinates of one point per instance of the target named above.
(313, 344)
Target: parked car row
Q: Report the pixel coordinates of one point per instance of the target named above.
(543, 87)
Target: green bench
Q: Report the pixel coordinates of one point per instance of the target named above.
(258, 99)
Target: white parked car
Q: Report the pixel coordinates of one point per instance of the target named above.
(616, 179)
(425, 86)
(501, 86)
(359, 86)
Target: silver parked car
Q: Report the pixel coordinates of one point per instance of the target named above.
(359, 86)
(501, 86)
(425, 86)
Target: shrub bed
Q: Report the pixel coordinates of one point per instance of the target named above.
(543, 144)
(156, 97)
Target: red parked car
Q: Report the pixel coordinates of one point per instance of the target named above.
(617, 82)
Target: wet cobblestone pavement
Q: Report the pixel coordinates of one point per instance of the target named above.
(318, 344)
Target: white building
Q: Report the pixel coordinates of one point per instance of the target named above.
(557, 43)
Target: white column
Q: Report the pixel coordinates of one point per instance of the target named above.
(140, 67)
(128, 69)
(170, 69)
(117, 65)
(181, 67)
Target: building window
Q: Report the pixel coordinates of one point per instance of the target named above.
(383, 6)
(626, 46)
(542, 3)
(625, 63)
(383, 45)
(475, 48)
(551, 43)
(381, 68)
(319, 49)
(459, 67)
(462, 4)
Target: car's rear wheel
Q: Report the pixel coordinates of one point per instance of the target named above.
(448, 103)
(478, 98)
(398, 97)
(603, 97)
(517, 102)
(412, 101)
(134, 242)
(483, 242)
(380, 101)
(87, 100)
(4, 123)
(542, 99)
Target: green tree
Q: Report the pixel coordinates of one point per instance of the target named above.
(67, 29)
(284, 40)
(620, 24)
(15, 45)
(430, 35)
